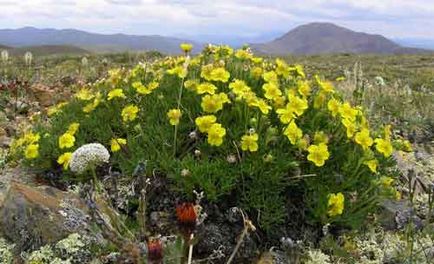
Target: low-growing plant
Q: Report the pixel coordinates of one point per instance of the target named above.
(245, 130)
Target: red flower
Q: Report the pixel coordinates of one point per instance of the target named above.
(187, 217)
(155, 251)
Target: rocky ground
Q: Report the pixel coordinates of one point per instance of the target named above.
(39, 221)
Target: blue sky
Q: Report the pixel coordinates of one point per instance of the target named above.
(221, 19)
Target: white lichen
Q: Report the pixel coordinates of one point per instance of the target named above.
(316, 256)
(6, 255)
(72, 244)
(88, 156)
(44, 255)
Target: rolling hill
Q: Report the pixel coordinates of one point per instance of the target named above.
(327, 38)
(45, 50)
(30, 36)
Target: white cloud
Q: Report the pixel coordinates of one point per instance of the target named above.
(395, 18)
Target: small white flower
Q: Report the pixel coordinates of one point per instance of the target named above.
(193, 135)
(28, 58)
(185, 173)
(4, 56)
(88, 156)
(231, 158)
(197, 153)
(84, 61)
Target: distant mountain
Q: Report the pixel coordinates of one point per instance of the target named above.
(3, 47)
(30, 36)
(45, 50)
(327, 38)
(422, 43)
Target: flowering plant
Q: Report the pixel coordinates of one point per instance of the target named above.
(244, 127)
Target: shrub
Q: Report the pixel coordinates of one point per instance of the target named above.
(245, 130)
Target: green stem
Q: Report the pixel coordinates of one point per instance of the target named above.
(95, 180)
(175, 136)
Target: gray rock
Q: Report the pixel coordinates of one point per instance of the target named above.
(31, 217)
(5, 142)
(397, 214)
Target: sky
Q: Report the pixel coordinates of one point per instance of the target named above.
(221, 19)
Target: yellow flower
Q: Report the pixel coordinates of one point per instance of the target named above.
(320, 137)
(186, 47)
(333, 106)
(363, 139)
(140, 88)
(116, 93)
(350, 126)
(31, 138)
(129, 113)
(319, 100)
(256, 72)
(55, 109)
(335, 204)
(204, 123)
(243, 54)
(220, 74)
(84, 95)
(249, 142)
(32, 151)
(191, 84)
(286, 114)
(318, 154)
(386, 181)
(407, 146)
(174, 115)
(384, 146)
(206, 72)
(64, 160)
(372, 164)
(214, 103)
(91, 106)
(387, 132)
(340, 79)
(293, 133)
(327, 87)
(270, 76)
(73, 128)
(398, 195)
(282, 68)
(348, 112)
(215, 134)
(115, 144)
(239, 87)
(66, 141)
(279, 102)
(303, 88)
(262, 105)
(208, 88)
(272, 91)
(299, 105)
(298, 69)
(179, 71)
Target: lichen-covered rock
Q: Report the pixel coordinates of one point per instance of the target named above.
(31, 217)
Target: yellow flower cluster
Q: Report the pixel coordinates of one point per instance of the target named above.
(335, 204)
(30, 142)
(145, 90)
(214, 103)
(117, 143)
(67, 140)
(215, 131)
(129, 113)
